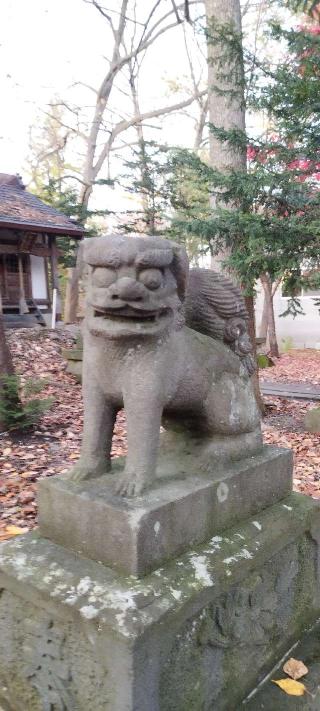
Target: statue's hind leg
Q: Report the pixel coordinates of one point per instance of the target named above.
(233, 418)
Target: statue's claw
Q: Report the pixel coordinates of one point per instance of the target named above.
(82, 471)
(130, 485)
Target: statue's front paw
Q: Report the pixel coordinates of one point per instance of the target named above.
(83, 471)
(130, 484)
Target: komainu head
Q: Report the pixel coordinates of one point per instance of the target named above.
(136, 285)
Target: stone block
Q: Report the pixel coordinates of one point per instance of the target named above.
(312, 420)
(74, 367)
(198, 633)
(137, 536)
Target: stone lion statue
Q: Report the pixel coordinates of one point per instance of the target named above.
(141, 354)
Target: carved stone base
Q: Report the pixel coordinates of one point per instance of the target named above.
(136, 536)
(196, 634)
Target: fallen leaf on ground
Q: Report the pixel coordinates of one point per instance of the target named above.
(295, 668)
(290, 686)
(15, 530)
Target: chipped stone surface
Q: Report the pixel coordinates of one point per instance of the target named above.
(199, 563)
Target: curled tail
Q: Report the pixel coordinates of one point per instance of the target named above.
(215, 306)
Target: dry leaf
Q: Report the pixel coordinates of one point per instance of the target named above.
(295, 668)
(291, 687)
(7, 451)
(15, 530)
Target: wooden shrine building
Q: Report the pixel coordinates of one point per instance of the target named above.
(28, 252)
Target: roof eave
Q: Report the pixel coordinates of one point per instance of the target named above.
(75, 232)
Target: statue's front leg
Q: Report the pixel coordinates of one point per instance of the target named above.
(99, 419)
(143, 431)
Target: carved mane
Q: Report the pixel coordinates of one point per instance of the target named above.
(215, 307)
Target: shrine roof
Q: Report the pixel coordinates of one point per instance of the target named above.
(20, 209)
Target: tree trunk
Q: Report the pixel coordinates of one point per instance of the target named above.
(141, 142)
(225, 111)
(268, 295)
(263, 331)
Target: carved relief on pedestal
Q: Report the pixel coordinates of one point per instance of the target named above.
(46, 665)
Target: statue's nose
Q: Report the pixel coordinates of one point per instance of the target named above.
(127, 289)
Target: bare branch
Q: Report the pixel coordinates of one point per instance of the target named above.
(148, 21)
(201, 122)
(103, 13)
(151, 32)
(192, 73)
(124, 125)
(72, 177)
(116, 12)
(86, 86)
(65, 125)
(176, 11)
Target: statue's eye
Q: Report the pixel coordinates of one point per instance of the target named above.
(151, 278)
(103, 276)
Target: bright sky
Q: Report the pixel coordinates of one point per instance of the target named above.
(46, 46)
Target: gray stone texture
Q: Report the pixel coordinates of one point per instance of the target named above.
(136, 536)
(138, 354)
(194, 635)
(312, 420)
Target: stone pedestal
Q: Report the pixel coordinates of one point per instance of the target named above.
(137, 536)
(196, 632)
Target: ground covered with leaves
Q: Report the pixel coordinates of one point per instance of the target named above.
(283, 424)
(53, 446)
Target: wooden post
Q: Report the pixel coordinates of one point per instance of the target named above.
(54, 309)
(55, 274)
(23, 306)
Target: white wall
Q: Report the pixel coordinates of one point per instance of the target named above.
(300, 332)
(38, 277)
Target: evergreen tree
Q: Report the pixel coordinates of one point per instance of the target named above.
(272, 232)
(273, 229)
(146, 177)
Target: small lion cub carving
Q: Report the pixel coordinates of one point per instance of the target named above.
(138, 354)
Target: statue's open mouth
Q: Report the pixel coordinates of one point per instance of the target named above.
(128, 313)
